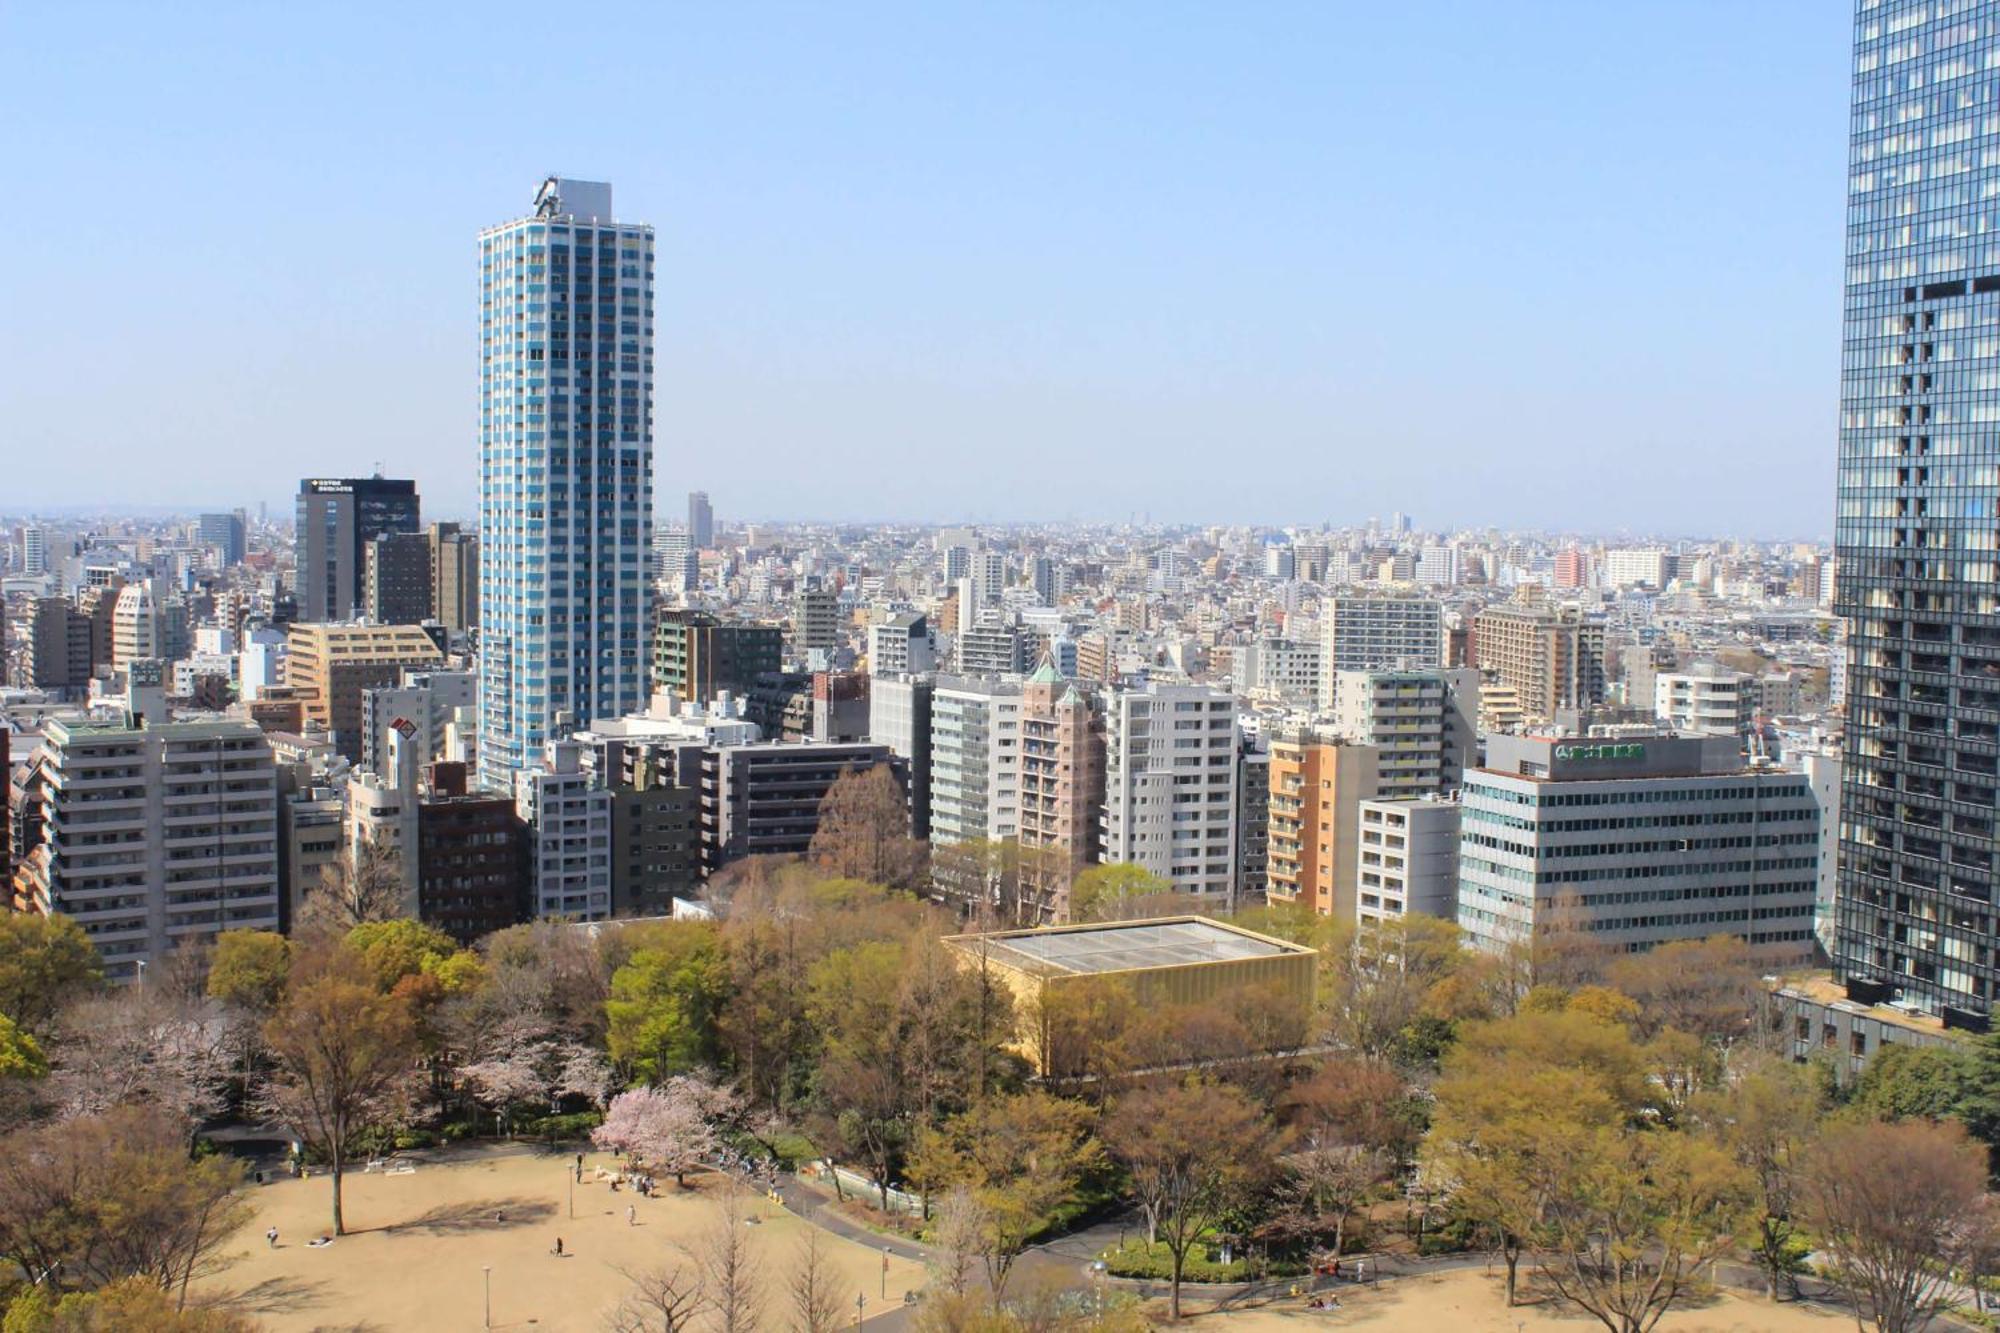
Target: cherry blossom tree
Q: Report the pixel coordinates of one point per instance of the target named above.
(582, 1071)
(667, 1128)
(135, 1049)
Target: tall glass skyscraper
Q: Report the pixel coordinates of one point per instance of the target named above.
(1917, 532)
(565, 471)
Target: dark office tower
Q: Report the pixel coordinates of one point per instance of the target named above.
(1916, 528)
(337, 518)
(701, 521)
(226, 533)
(396, 579)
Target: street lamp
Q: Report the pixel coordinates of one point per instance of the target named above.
(1097, 1269)
(142, 974)
(488, 1270)
(860, 1304)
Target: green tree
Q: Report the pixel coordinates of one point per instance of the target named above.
(45, 962)
(907, 1036)
(1022, 1158)
(1116, 892)
(1630, 1217)
(398, 950)
(129, 1305)
(20, 1054)
(1904, 1081)
(249, 969)
(1515, 1100)
(666, 1001)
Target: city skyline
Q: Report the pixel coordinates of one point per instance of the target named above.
(1219, 248)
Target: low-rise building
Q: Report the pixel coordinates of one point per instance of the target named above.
(1641, 839)
(1187, 960)
(1408, 859)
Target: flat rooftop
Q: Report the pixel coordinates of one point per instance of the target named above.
(1821, 988)
(1128, 946)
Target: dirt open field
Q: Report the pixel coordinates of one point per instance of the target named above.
(420, 1243)
(1470, 1301)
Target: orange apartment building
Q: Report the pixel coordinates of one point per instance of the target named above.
(1317, 786)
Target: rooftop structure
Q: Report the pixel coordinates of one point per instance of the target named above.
(1130, 946)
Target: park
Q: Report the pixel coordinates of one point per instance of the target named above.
(423, 1245)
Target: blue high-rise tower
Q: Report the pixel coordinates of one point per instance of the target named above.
(565, 471)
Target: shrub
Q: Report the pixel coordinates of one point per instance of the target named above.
(1137, 1259)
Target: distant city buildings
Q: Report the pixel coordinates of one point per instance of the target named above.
(701, 521)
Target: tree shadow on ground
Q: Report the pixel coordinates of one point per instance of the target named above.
(475, 1215)
(275, 1295)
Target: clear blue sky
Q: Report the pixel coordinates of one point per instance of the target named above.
(1555, 264)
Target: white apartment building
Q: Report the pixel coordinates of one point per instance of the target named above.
(899, 716)
(1706, 700)
(382, 808)
(1376, 633)
(901, 645)
(1425, 723)
(988, 572)
(1408, 861)
(1437, 566)
(565, 471)
(138, 629)
(1170, 801)
(420, 708)
(1287, 671)
(1627, 568)
(568, 818)
(155, 837)
(975, 759)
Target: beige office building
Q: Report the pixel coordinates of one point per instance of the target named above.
(330, 666)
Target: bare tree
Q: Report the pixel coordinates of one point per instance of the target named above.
(344, 1054)
(1195, 1152)
(729, 1271)
(87, 1201)
(363, 884)
(957, 1237)
(812, 1289)
(1897, 1207)
(864, 831)
(667, 1298)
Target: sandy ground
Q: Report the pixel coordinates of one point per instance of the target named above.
(418, 1244)
(1469, 1301)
